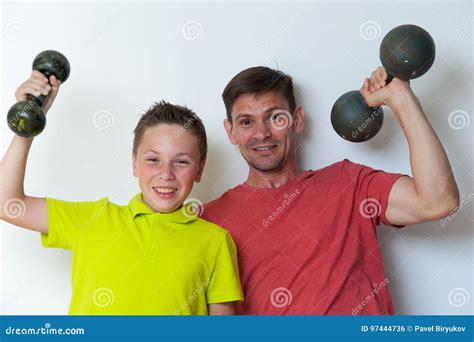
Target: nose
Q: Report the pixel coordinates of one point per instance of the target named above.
(262, 131)
(166, 172)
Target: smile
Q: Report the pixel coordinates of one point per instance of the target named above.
(165, 192)
(264, 148)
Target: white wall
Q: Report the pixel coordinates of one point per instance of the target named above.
(124, 56)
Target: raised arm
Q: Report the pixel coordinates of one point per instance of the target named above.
(15, 206)
(432, 192)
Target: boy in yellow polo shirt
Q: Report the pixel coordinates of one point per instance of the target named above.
(153, 256)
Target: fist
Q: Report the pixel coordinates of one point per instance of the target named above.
(377, 92)
(38, 85)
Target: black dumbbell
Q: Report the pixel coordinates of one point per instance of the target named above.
(26, 118)
(406, 52)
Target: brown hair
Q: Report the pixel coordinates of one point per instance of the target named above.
(164, 112)
(258, 80)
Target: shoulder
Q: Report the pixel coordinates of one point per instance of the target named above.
(345, 167)
(336, 170)
(229, 195)
(209, 227)
(54, 203)
(221, 204)
(342, 165)
(91, 210)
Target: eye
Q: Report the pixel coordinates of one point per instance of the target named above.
(274, 116)
(182, 162)
(245, 122)
(152, 160)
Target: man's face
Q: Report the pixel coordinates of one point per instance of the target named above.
(264, 130)
(167, 164)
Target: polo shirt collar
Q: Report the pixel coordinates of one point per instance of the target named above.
(137, 206)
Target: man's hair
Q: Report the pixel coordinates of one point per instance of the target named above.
(167, 113)
(258, 81)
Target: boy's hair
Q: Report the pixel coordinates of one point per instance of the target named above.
(164, 112)
(258, 80)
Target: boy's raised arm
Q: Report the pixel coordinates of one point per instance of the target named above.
(16, 207)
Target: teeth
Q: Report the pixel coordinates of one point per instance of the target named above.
(263, 148)
(165, 191)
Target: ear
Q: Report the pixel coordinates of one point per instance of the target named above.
(230, 132)
(134, 165)
(298, 120)
(202, 163)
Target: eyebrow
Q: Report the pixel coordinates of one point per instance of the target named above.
(178, 154)
(246, 115)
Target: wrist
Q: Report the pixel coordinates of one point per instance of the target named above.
(23, 140)
(402, 101)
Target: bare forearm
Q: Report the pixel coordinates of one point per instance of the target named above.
(432, 173)
(12, 170)
(221, 309)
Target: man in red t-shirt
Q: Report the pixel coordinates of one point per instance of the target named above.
(306, 240)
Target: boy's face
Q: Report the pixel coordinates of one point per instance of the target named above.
(167, 164)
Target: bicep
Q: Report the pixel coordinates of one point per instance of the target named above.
(29, 212)
(404, 205)
(217, 309)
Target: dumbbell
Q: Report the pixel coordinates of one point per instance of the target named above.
(26, 118)
(406, 52)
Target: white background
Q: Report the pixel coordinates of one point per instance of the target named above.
(125, 56)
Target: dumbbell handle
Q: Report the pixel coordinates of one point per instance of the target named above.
(40, 100)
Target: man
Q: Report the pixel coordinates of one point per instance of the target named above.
(306, 239)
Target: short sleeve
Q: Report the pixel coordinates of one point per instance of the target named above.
(372, 190)
(224, 284)
(68, 220)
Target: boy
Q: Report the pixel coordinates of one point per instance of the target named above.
(153, 256)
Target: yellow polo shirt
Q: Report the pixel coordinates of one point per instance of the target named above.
(129, 260)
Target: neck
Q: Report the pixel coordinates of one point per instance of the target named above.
(273, 178)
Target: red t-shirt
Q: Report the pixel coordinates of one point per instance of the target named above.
(309, 247)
